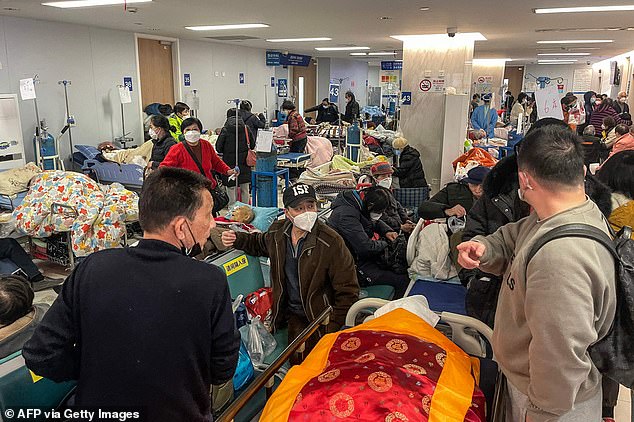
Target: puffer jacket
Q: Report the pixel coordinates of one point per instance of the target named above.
(327, 276)
(160, 149)
(226, 145)
(410, 171)
(253, 122)
(395, 215)
(448, 197)
(351, 221)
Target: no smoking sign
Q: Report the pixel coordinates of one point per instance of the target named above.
(425, 85)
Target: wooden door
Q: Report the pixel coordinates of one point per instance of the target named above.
(156, 72)
(310, 85)
(515, 75)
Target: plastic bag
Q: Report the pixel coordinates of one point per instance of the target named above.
(260, 342)
(476, 154)
(244, 371)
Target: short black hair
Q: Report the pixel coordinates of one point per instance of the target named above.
(521, 96)
(180, 107)
(161, 121)
(288, 105)
(622, 129)
(609, 122)
(246, 105)
(618, 173)
(326, 100)
(191, 121)
(16, 298)
(231, 112)
(168, 193)
(475, 96)
(553, 155)
(350, 95)
(376, 199)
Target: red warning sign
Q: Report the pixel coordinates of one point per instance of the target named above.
(425, 85)
(481, 79)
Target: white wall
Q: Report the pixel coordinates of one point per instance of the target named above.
(374, 78)
(204, 59)
(323, 78)
(94, 59)
(496, 72)
(357, 74)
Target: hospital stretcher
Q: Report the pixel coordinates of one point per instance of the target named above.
(129, 175)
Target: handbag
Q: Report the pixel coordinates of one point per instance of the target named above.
(251, 156)
(218, 193)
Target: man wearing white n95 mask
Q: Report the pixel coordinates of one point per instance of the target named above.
(311, 267)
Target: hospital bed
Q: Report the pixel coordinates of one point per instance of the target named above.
(11, 202)
(129, 175)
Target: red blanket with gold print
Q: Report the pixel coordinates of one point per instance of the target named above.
(394, 368)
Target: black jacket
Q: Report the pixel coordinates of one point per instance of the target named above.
(352, 111)
(140, 327)
(226, 145)
(448, 197)
(329, 114)
(351, 222)
(395, 215)
(621, 108)
(410, 171)
(253, 122)
(160, 149)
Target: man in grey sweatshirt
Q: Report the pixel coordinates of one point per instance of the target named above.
(550, 312)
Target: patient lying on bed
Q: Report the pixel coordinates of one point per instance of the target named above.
(394, 368)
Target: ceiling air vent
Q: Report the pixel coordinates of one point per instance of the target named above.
(232, 38)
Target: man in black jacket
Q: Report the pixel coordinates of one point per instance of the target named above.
(146, 327)
(326, 112)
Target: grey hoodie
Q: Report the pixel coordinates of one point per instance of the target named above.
(550, 313)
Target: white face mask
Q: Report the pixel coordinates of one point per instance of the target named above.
(520, 195)
(375, 216)
(623, 99)
(385, 183)
(153, 133)
(192, 137)
(305, 221)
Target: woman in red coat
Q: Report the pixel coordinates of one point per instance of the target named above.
(195, 153)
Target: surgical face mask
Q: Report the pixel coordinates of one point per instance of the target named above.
(520, 194)
(153, 133)
(375, 216)
(623, 99)
(192, 137)
(194, 250)
(185, 115)
(385, 183)
(524, 101)
(598, 102)
(593, 100)
(305, 221)
(604, 127)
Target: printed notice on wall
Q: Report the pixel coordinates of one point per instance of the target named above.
(124, 95)
(548, 102)
(264, 142)
(27, 89)
(582, 80)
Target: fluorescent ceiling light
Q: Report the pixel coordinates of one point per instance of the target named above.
(575, 42)
(230, 26)
(341, 48)
(563, 54)
(300, 39)
(545, 63)
(489, 61)
(586, 9)
(463, 36)
(358, 54)
(557, 61)
(382, 53)
(90, 3)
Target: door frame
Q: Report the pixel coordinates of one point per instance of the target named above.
(176, 66)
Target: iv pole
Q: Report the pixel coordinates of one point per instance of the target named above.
(238, 192)
(70, 120)
(38, 132)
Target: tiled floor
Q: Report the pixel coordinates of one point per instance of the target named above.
(623, 409)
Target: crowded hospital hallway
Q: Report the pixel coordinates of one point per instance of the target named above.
(414, 210)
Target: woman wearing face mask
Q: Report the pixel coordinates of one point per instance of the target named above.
(181, 112)
(160, 135)
(519, 108)
(395, 215)
(620, 105)
(196, 154)
(352, 108)
(356, 216)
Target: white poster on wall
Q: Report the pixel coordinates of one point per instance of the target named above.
(582, 80)
(124, 95)
(27, 89)
(548, 102)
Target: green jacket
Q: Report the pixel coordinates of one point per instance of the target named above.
(175, 123)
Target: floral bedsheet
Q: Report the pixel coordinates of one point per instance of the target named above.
(94, 214)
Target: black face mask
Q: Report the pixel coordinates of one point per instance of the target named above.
(194, 250)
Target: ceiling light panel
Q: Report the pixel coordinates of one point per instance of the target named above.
(563, 54)
(341, 48)
(225, 27)
(586, 9)
(299, 39)
(575, 42)
(90, 3)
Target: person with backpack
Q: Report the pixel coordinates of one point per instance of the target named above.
(556, 301)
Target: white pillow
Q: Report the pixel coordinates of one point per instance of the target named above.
(17, 180)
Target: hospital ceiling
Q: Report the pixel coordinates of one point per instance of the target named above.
(511, 27)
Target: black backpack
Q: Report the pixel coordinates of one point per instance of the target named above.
(613, 355)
